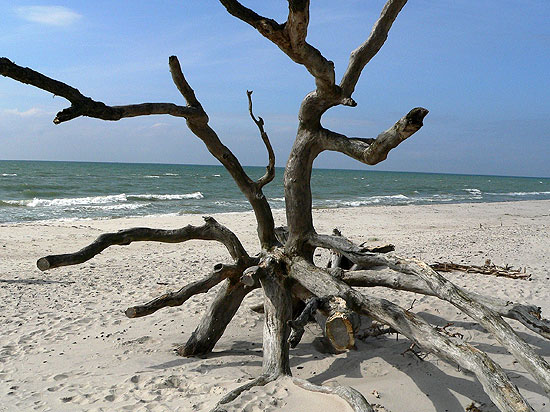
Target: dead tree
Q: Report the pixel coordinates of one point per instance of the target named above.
(284, 268)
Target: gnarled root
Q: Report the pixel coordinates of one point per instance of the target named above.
(495, 382)
(215, 320)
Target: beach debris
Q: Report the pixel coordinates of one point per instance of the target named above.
(488, 268)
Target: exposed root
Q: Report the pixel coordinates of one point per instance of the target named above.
(261, 380)
(215, 320)
(528, 315)
(495, 382)
(353, 397)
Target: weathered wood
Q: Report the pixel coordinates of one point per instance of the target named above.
(85, 106)
(341, 324)
(178, 298)
(487, 269)
(356, 401)
(290, 37)
(366, 51)
(197, 122)
(261, 380)
(302, 320)
(270, 168)
(252, 191)
(278, 313)
(528, 315)
(211, 230)
(215, 320)
(353, 397)
(495, 382)
(446, 290)
(373, 151)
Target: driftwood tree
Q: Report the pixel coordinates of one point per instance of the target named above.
(294, 287)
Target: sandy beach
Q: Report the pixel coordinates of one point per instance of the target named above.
(66, 345)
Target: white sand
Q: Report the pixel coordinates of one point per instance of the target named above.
(65, 344)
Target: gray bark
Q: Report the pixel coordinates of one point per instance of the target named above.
(495, 382)
(215, 320)
(528, 315)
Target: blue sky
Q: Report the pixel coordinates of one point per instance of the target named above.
(482, 68)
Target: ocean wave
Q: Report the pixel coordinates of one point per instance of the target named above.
(8, 174)
(11, 203)
(74, 201)
(152, 177)
(473, 191)
(519, 194)
(123, 206)
(171, 174)
(373, 200)
(357, 203)
(194, 195)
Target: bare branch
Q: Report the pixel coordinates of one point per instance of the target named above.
(297, 22)
(270, 168)
(528, 315)
(446, 290)
(373, 151)
(495, 382)
(85, 106)
(290, 38)
(179, 80)
(211, 230)
(366, 51)
(178, 298)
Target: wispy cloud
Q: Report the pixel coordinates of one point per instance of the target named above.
(49, 15)
(32, 112)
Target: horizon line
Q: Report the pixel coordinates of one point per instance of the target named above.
(277, 167)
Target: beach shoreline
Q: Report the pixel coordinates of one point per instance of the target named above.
(66, 344)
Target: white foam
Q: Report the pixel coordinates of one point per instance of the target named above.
(520, 194)
(124, 206)
(473, 191)
(36, 202)
(194, 195)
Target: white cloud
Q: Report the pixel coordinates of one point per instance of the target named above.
(50, 15)
(32, 112)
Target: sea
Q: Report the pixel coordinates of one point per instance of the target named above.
(45, 191)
